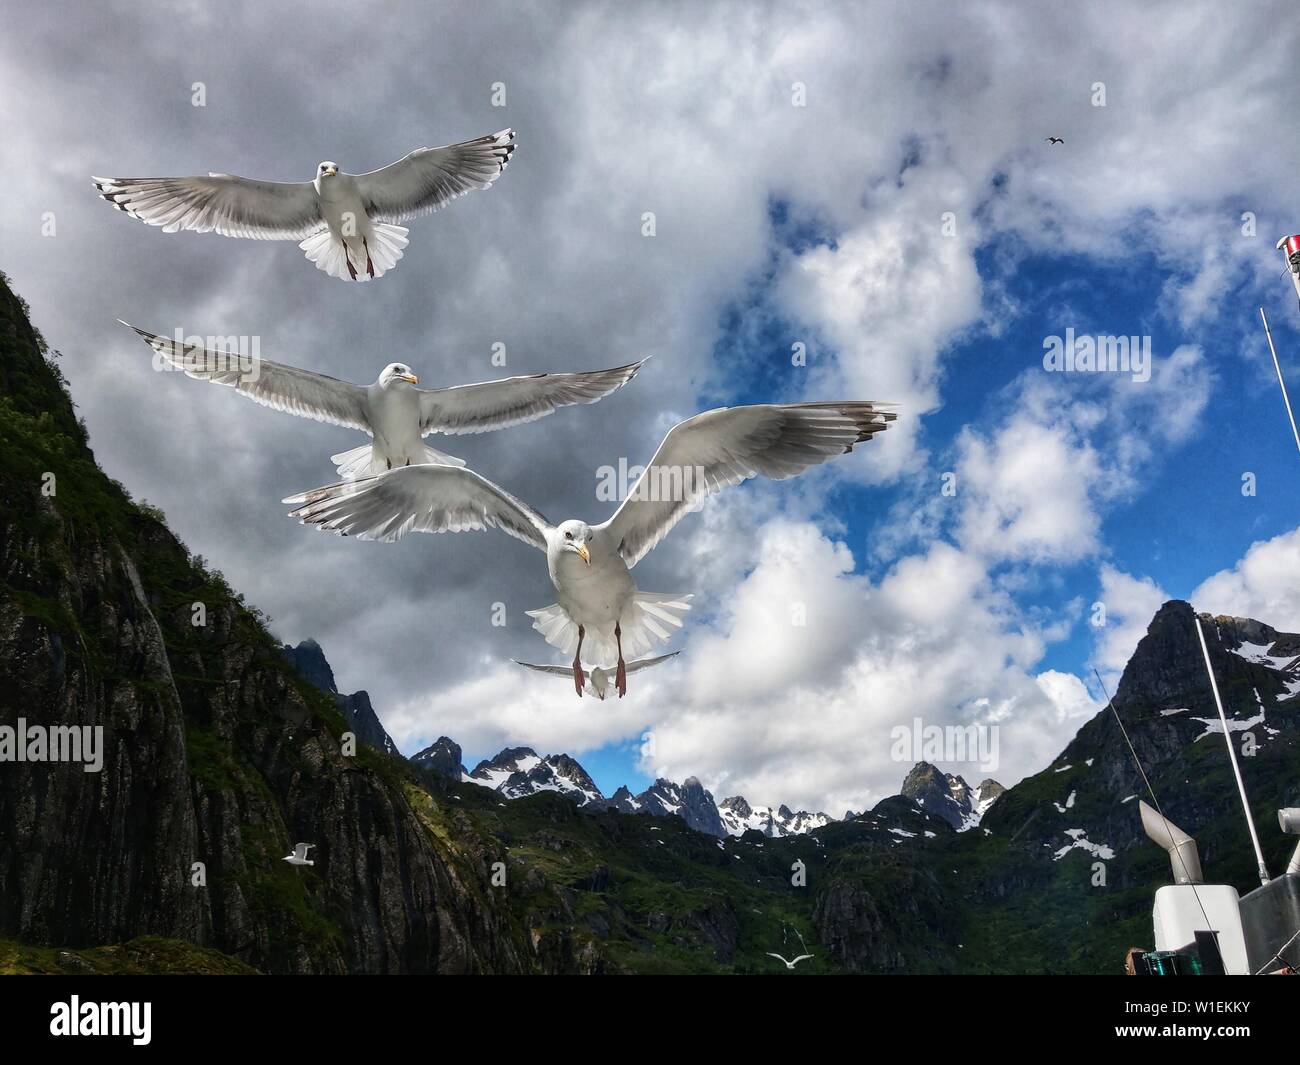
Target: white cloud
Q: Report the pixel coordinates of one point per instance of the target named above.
(1264, 584)
(804, 716)
(1130, 603)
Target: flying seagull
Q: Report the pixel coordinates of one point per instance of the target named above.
(802, 957)
(790, 964)
(392, 410)
(345, 223)
(1054, 140)
(599, 604)
(299, 855)
(599, 678)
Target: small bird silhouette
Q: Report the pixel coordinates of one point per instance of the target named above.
(299, 855)
(1054, 140)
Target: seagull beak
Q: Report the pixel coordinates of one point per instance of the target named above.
(409, 378)
(583, 553)
(332, 171)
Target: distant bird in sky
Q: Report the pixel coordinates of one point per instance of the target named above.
(598, 679)
(392, 410)
(1055, 140)
(299, 855)
(344, 223)
(600, 606)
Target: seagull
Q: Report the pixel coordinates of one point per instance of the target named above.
(599, 604)
(299, 855)
(802, 957)
(392, 410)
(345, 223)
(598, 680)
(790, 964)
(1054, 140)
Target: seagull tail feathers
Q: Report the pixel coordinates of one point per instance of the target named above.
(385, 245)
(649, 618)
(361, 462)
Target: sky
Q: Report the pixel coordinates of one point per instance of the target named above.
(869, 185)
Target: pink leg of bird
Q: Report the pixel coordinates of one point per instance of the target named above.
(579, 678)
(620, 676)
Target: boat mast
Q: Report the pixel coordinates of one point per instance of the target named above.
(1232, 756)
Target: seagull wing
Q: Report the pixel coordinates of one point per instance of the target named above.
(233, 206)
(272, 384)
(492, 405)
(430, 178)
(802, 957)
(722, 447)
(425, 498)
(777, 957)
(635, 667)
(559, 671)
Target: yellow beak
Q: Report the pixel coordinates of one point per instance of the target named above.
(583, 553)
(410, 378)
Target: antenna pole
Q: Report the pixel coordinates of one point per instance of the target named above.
(1232, 755)
(1280, 379)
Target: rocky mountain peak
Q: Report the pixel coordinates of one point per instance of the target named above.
(519, 771)
(309, 660)
(737, 805)
(948, 796)
(442, 757)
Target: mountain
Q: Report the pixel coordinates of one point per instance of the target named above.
(519, 771)
(309, 660)
(688, 800)
(950, 796)
(441, 757)
(738, 817)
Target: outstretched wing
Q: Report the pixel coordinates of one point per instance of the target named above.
(233, 206)
(722, 447)
(272, 384)
(426, 498)
(480, 408)
(636, 667)
(430, 178)
(559, 671)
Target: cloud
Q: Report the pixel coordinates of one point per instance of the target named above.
(1264, 584)
(1130, 603)
(803, 714)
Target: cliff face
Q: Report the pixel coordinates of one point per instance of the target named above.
(214, 750)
